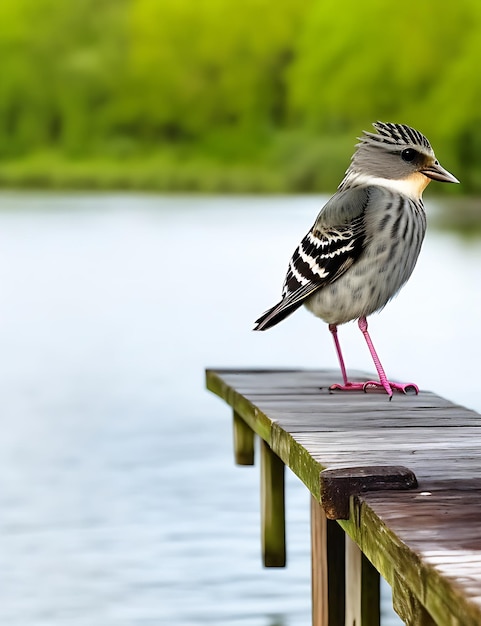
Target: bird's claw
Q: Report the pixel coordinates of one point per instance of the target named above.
(409, 389)
(347, 387)
(388, 386)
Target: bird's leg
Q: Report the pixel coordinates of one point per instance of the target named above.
(333, 330)
(383, 381)
(347, 386)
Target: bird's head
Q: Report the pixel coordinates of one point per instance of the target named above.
(399, 157)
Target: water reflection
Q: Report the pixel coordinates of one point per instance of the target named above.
(461, 216)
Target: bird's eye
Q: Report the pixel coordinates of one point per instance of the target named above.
(408, 155)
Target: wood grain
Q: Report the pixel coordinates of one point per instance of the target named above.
(328, 569)
(426, 542)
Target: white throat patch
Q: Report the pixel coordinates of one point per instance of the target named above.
(412, 186)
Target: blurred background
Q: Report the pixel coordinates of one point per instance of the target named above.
(159, 161)
(211, 96)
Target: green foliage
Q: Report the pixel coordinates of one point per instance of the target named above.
(382, 57)
(59, 72)
(211, 94)
(205, 64)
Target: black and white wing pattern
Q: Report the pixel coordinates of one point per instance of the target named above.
(332, 245)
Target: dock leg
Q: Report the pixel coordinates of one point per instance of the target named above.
(362, 588)
(243, 442)
(328, 569)
(272, 508)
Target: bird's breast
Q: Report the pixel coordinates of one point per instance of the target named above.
(393, 239)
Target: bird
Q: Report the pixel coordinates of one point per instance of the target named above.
(365, 241)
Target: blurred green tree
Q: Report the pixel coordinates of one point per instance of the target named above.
(59, 71)
(195, 67)
(379, 58)
(281, 89)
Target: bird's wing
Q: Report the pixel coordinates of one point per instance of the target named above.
(332, 245)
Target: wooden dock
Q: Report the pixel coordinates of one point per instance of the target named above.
(396, 491)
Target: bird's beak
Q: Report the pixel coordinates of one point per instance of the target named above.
(437, 172)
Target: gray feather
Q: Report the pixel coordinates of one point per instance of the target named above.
(366, 240)
(339, 235)
(378, 154)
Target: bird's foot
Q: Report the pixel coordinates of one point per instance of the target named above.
(388, 386)
(348, 387)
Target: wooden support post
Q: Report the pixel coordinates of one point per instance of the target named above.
(343, 462)
(328, 567)
(362, 588)
(243, 442)
(272, 508)
(353, 583)
(370, 594)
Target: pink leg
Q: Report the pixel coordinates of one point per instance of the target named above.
(383, 381)
(347, 386)
(333, 329)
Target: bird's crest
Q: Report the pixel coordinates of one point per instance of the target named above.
(395, 134)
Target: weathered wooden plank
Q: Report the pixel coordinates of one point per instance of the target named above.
(243, 441)
(256, 419)
(286, 385)
(426, 543)
(343, 417)
(297, 458)
(337, 486)
(272, 508)
(429, 453)
(408, 607)
(421, 547)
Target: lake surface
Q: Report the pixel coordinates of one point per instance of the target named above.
(119, 500)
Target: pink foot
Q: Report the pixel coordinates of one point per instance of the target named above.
(382, 383)
(388, 386)
(348, 387)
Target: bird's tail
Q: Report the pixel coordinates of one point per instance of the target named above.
(276, 314)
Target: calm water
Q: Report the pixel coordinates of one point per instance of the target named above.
(119, 500)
